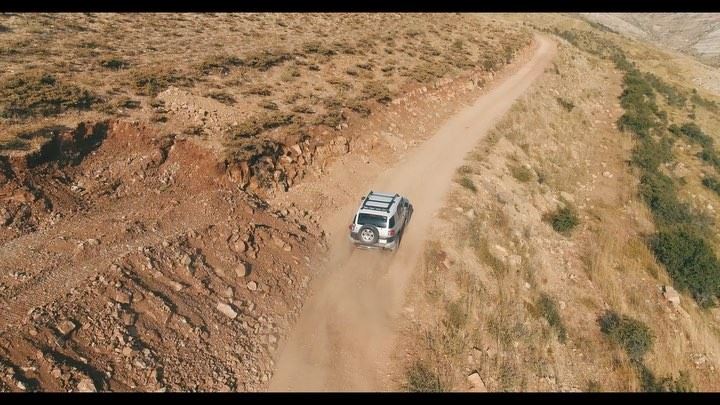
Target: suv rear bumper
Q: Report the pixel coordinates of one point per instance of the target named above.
(388, 243)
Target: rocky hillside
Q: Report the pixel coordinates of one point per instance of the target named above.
(139, 247)
(695, 34)
(578, 251)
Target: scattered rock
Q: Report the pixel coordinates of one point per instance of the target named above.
(252, 286)
(186, 260)
(476, 383)
(123, 297)
(671, 295)
(499, 252)
(66, 327)
(227, 310)
(567, 197)
(514, 262)
(239, 246)
(242, 270)
(86, 385)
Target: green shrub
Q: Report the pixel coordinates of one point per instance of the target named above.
(359, 107)
(268, 105)
(690, 261)
(712, 183)
(126, 102)
(331, 119)
(465, 169)
(151, 81)
(264, 121)
(420, 378)
(467, 182)
(265, 59)
(695, 134)
(650, 383)
(566, 104)
(564, 219)
(318, 48)
(223, 97)
(521, 173)
(114, 64)
(658, 192)
(549, 311)
(632, 335)
(649, 154)
(710, 156)
(219, 64)
(705, 103)
(259, 90)
(428, 72)
(638, 101)
(671, 93)
(377, 91)
(457, 315)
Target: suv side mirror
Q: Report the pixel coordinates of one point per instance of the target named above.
(362, 198)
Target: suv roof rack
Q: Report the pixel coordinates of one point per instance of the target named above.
(379, 201)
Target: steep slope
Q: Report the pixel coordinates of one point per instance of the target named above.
(543, 274)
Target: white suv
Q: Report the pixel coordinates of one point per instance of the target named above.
(380, 220)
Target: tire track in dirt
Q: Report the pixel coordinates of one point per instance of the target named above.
(344, 336)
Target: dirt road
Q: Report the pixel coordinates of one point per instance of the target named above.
(343, 337)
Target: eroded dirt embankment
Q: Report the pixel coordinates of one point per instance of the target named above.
(143, 266)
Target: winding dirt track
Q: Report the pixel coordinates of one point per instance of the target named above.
(344, 336)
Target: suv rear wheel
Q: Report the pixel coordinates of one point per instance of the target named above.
(368, 234)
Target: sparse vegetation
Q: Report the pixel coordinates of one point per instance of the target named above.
(691, 262)
(548, 309)
(151, 81)
(521, 173)
(114, 63)
(632, 335)
(467, 182)
(41, 94)
(680, 244)
(564, 219)
(219, 64)
(650, 383)
(420, 378)
(261, 122)
(566, 104)
(712, 183)
(376, 91)
(222, 96)
(266, 58)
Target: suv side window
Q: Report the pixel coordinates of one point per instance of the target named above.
(392, 222)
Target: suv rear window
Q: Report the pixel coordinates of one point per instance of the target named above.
(369, 219)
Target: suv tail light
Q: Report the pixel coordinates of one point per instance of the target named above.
(350, 227)
(391, 232)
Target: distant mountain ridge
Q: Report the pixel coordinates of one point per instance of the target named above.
(696, 34)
